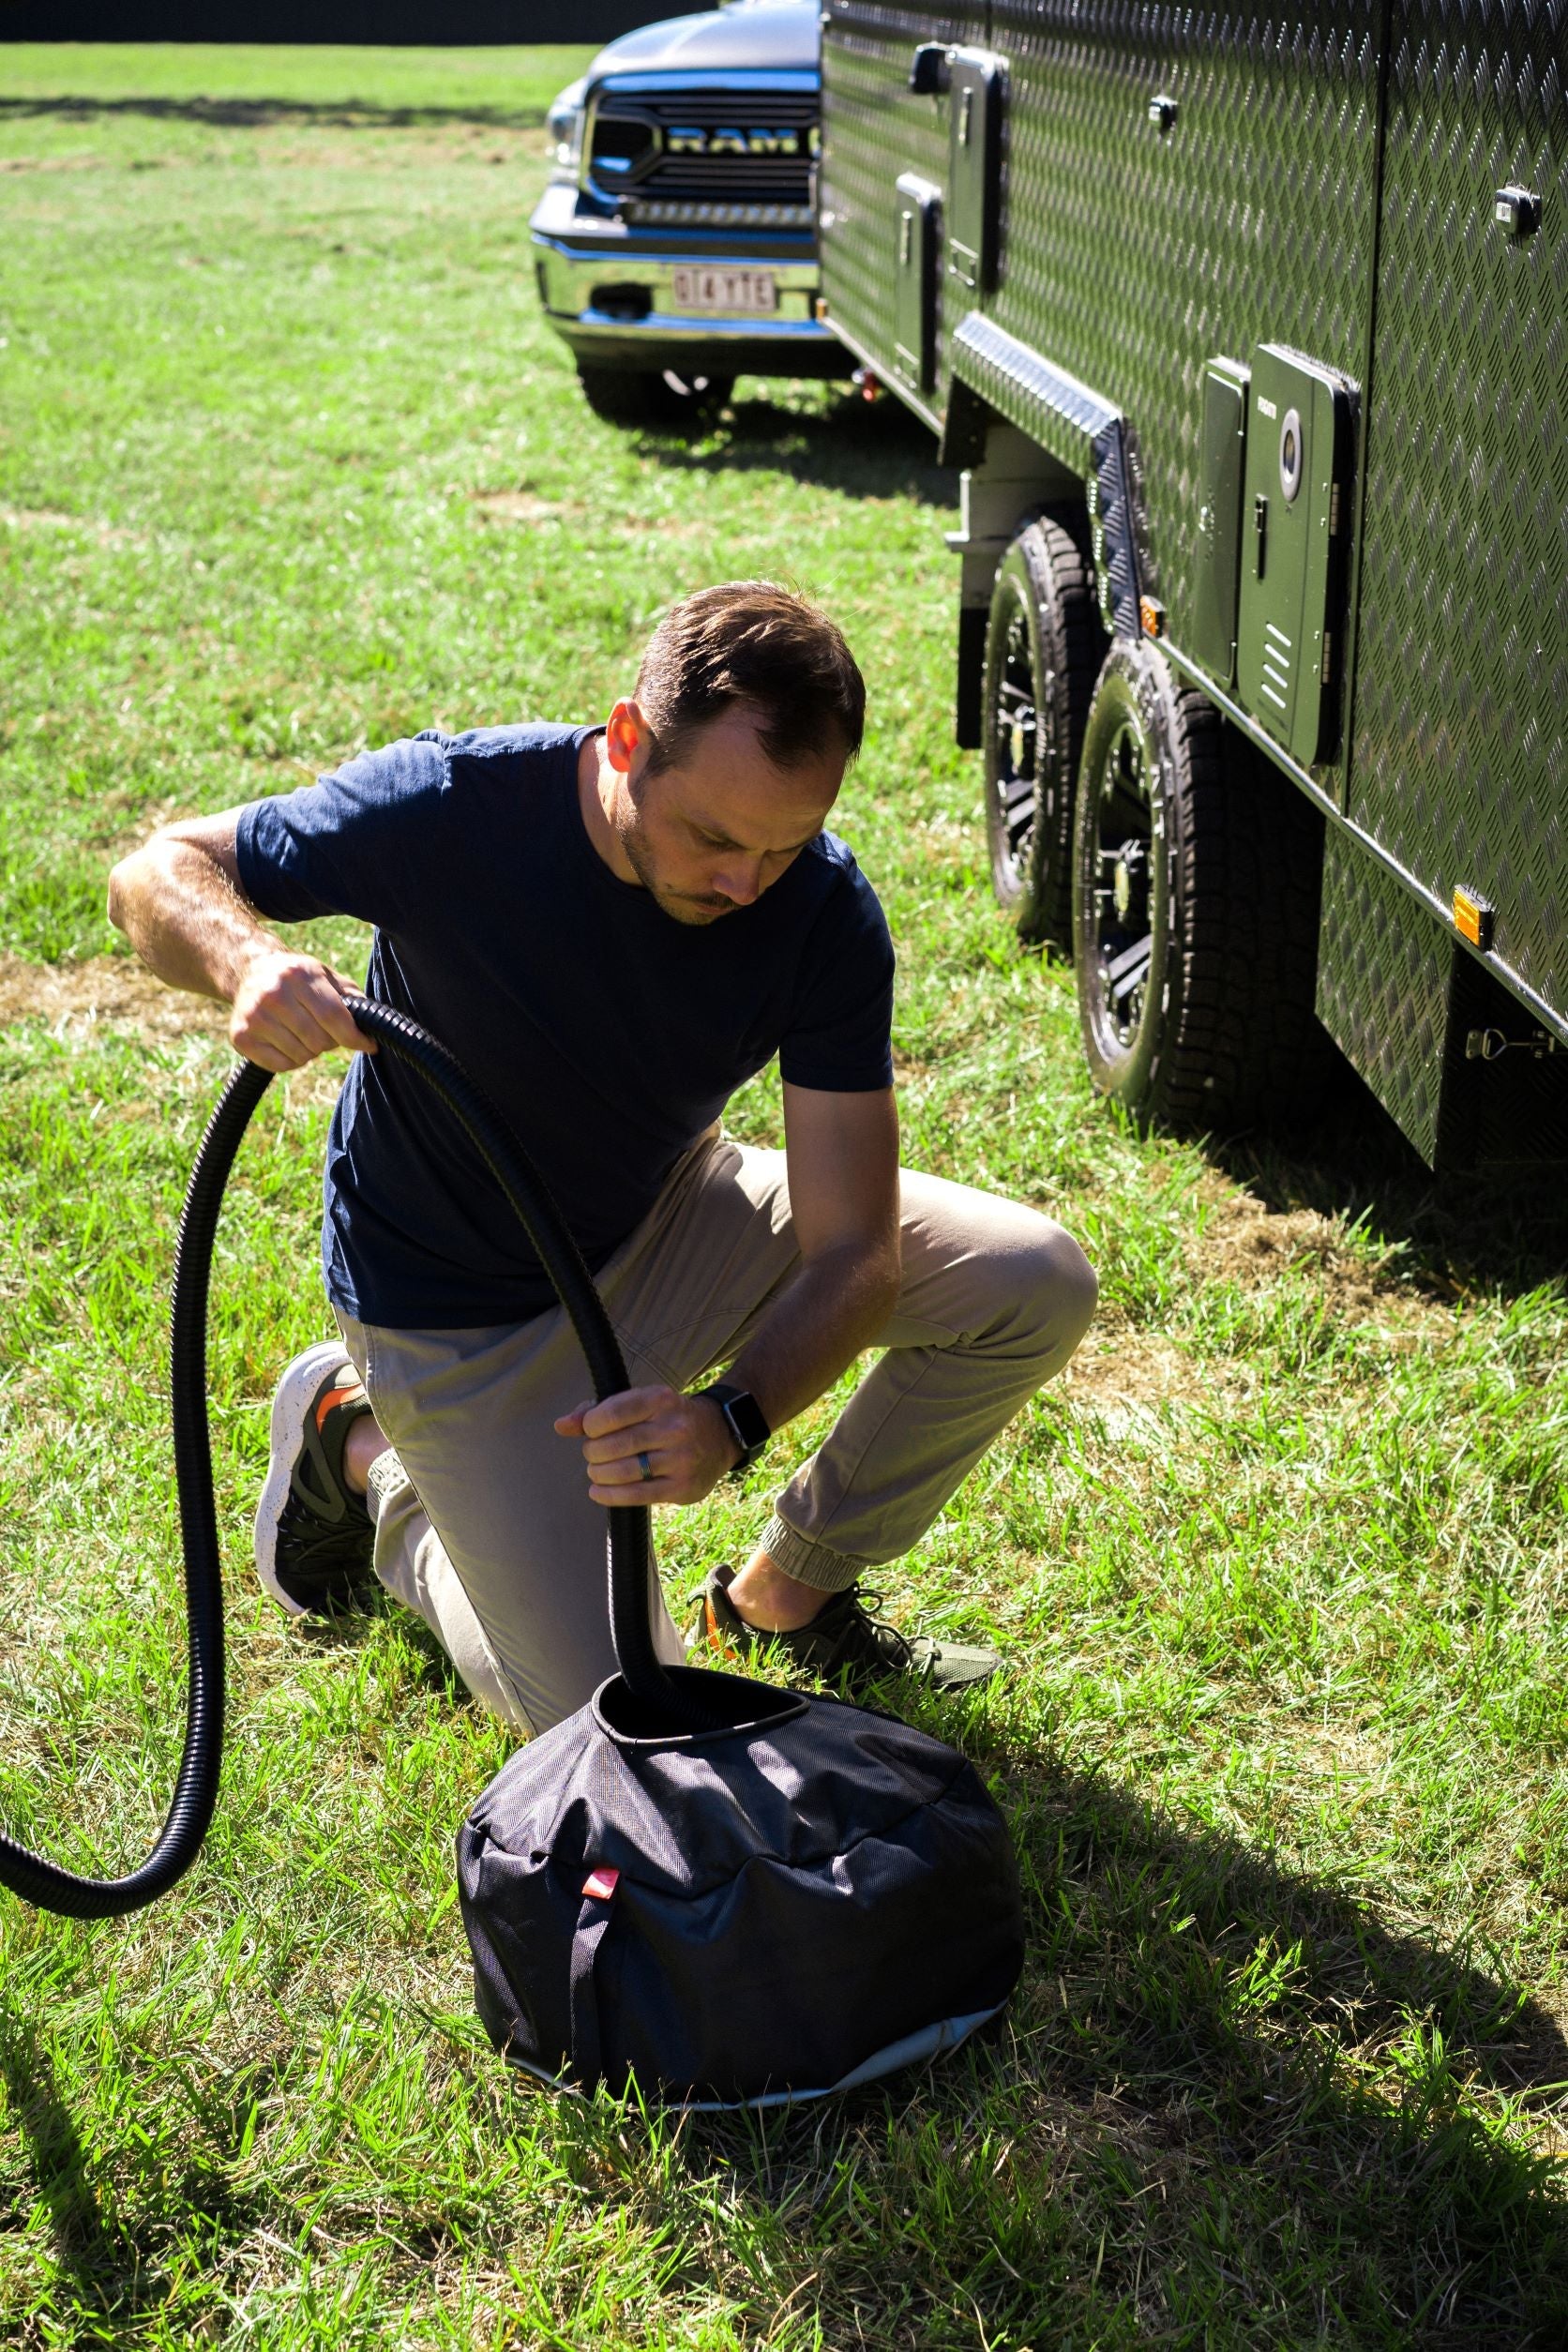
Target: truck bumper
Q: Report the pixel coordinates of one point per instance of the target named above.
(610, 293)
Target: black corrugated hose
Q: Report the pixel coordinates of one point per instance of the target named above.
(630, 1548)
(53, 1889)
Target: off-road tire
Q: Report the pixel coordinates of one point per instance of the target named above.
(1044, 620)
(662, 398)
(1226, 1036)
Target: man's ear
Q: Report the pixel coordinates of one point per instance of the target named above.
(625, 735)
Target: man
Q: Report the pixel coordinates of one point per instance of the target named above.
(614, 928)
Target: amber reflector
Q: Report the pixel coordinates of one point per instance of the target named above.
(1473, 919)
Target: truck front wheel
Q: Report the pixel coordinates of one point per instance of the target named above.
(661, 397)
(1043, 646)
(1196, 873)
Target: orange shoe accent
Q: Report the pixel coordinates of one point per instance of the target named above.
(715, 1639)
(337, 1397)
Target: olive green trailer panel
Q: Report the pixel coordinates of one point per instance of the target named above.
(1449, 1055)
(1172, 189)
(1460, 756)
(875, 131)
(917, 253)
(1295, 519)
(1217, 568)
(1179, 185)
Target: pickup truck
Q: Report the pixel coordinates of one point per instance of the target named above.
(675, 246)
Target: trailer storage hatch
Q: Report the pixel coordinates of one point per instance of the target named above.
(1295, 508)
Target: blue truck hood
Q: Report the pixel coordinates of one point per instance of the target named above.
(760, 35)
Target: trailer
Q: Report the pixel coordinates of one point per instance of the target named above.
(1250, 333)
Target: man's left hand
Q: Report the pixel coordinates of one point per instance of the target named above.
(684, 1441)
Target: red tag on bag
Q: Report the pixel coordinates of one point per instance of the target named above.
(602, 1883)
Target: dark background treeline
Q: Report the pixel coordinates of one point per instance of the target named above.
(418, 23)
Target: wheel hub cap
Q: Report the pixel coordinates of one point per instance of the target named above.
(1128, 877)
(1121, 899)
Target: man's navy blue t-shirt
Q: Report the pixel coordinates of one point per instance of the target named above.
(609, 1034)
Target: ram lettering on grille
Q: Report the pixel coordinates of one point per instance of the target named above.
(681, 139)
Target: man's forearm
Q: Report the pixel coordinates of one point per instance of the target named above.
(184, 919)
(837, 1305)
(177, 900)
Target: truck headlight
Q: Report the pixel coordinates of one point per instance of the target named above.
(565, 119)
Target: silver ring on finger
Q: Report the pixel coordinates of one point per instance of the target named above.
(646, 1465)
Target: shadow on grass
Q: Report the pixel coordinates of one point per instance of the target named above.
(101, 2262)
(1176, 2134)
(354, 1620)
(1506, 1230)
(264, 113)
(1227, 2109)
(860, 449)
(112, 2274)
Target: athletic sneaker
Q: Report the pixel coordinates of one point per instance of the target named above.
(314, 1534)
(845, 1640)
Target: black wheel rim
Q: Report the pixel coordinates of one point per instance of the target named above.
(1121, 884)
(1016, 747)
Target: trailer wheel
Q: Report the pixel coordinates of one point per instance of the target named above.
(660, 397)
(1043, 646)
(1198, 872)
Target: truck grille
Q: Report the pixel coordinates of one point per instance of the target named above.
(733, 158)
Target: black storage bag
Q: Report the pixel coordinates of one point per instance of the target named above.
(736, 1914)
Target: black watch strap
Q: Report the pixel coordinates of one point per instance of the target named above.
(743, 1418)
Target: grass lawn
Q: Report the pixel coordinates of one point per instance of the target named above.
(288, 465)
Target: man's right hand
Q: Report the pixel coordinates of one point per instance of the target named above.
(288, 1009)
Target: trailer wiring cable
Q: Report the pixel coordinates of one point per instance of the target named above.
(49, 1885)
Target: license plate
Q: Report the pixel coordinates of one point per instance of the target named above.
(745, 290)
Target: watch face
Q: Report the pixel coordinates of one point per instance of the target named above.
(745, 1417)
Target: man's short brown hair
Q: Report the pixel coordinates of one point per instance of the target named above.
(749, 645)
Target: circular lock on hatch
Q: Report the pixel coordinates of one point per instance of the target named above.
(1292, 455)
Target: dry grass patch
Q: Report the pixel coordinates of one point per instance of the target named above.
(55, 518)
(1241, 1239)
(115, 996)
(102, 991)
(516, 506)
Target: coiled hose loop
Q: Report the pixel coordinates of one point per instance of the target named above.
(31, 1875)
(46, 1883)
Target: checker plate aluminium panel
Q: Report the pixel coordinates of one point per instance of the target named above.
(1401, 996)
(1383, 978)
(874, 128)
(1460, 764)
(1133, 255)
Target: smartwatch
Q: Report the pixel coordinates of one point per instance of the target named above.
(743, 1418)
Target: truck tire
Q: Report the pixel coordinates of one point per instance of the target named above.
(1197, 873)
(1043, 643)
(651, 396)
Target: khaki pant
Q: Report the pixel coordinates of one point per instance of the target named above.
(483, 1520)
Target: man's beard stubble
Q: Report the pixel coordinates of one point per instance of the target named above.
(682, 906)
